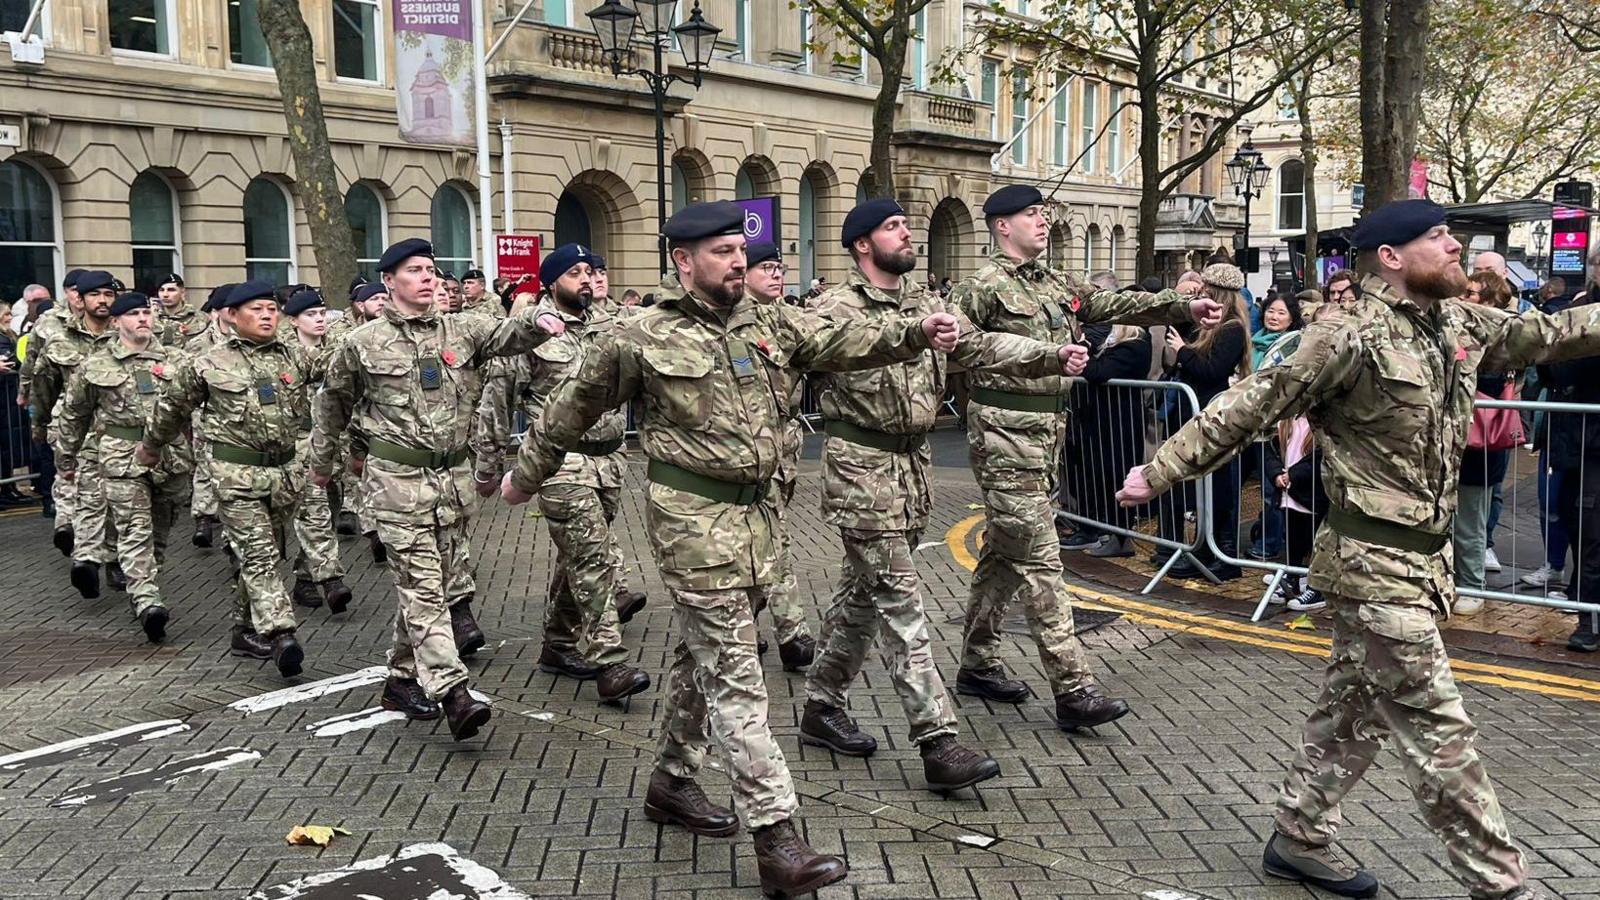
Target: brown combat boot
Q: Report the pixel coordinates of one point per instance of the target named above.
(629, 604)
(305, 594)
(565, 662)
(619, 680)
(407, 696)
(680, 801)
(788, 865)
(338, 594)
(246, 642)
(822, 725)
(991, 684)
(466, 713)
(469, 637)
(948, 766)
(1087, 707)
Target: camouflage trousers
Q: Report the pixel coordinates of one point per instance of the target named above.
(257, 522)
(1021, 559)
(204, 501)
(581, 609)
(879, 596)
(318, 559)
(716, 685)
(94, 539)
(422, 559)
(64, 493)
(1389, 675)
(144, 510)
(788, 613)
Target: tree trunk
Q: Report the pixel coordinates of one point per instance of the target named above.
(1374, 162)
(1308, 154)
(884, 108)
(1149, 161)
(1394, 37)
(316, 180)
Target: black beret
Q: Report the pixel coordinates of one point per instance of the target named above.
(473, 273)
(174, 278)
(94, 280)
(1013, 198)
(1396, 223)
(562, 259)
(218, 294)
(867, 216)
(367, 292)
(302, 301)
(399, 253)
(356, 282)
(129, 302)
(71, 281)
(598, 262)
(765, 251)
(244, 293)
(46, 306)
(698, 221)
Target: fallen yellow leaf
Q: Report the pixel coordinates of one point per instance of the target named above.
(974, 506)
(313, 835)
(1302, 623)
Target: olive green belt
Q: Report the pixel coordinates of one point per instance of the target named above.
(422, 459)
(1039, 403)
(244, 456)
(599, 448)
(681, 479)
(877, 440)
(126, 432)
(1382, 532)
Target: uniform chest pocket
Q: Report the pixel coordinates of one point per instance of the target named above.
(389, 379)
(1403, 379)
(105, 378)
(229, 395)
(1018, 303)
(679, 386)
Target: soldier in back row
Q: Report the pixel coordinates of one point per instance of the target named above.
(64, 493)
(178, 323)
(318, 573)
(203, 504)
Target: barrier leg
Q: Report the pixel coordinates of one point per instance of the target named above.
(1261, 608)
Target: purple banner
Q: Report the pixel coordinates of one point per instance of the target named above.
(446, 18)
(433, 71)
(760, 220)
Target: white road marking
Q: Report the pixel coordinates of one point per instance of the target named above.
(541, 716)
(357, 721)
(927, 545)
(1169, 895)
(420, 870)
(978, 840)
(147, 731)
(133, 782)
(303, 692)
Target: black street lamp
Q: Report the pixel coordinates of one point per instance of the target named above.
(614, 23)
(1540, 232)
(1248, 174)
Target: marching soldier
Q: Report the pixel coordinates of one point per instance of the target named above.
(318, 573)
(1016, 431)
(107, 403)
(1387, 385)
(64, 493)
(367, 302)
(476, 296)
(713, 369)
(204, 505)
(409, 382)
(796, 647)
(250, 391)
(178, 323)
(582, 639)
(65, 351)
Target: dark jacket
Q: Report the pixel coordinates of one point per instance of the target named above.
(1305, 478)
(1486, 468)
(1106, 431)
(1208, 373)
(1573, 437)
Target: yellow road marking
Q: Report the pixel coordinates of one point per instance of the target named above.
(1276, 639)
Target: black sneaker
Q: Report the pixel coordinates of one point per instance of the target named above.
(1584, 639)
(1080, 540)
(1317, 866)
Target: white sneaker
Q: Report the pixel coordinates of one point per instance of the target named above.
(1556, 594)
(1491, 563)
(1468, 606)
(1541, 576)
(1310, 600)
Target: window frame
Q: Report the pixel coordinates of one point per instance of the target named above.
(1281, 195)
(176, 247)
(1114, 161)
(228, 26)
(57, 225)
(1019, 120)
(744, 33)
(989, 84)
(1089, 111)
(1062, 113)
(293, 261)
(380, 61)
(171, 7)
(383, 222)
(919, 50)
(808, 27)
(472, 223)
(567, 12)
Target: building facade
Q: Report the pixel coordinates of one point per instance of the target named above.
(151, 139)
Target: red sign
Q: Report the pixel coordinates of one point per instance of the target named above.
(517, 255)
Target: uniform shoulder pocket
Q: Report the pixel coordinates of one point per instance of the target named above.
(383, 364)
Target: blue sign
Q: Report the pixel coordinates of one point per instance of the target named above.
(761, 219)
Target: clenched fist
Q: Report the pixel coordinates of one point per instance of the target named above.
(1136, 491)
(146, 456)
(551, 324)
(509, 491)
(1074, 358)
(942, 331)
(1206, 312)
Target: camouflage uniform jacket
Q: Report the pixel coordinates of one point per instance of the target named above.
(248, 395)
(118, 386)
(525, 382)
(887, 490)
(794, 434)
(378, 381)
(182, 327)
(487, 305)
(48, 326)
(1388, 387)
(63, 354)
(715, 386)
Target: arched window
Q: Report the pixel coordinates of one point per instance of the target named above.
(680, 186)
(573, 225)
(1118, 236)
(808, 231)
(269, 248)
(744, 187)
(30, 233)
(1292, 196)
(453, 237)
(1091, 249)
(364, 211)
(153, 215)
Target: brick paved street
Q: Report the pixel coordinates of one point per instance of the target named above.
(1173, 801)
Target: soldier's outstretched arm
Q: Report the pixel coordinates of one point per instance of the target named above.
(1166, 307)
(1327, 359)
(1514, 341)
(174, 407)
(1011, 354)
(818, 342)
(517, 334)
(335, 404)
(491, 433)
(77, 408)
(608, 378)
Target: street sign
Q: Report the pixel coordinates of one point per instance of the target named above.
(1358, 195)
(517, 255)
(760, 219)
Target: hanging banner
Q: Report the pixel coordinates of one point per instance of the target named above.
(1418, 188)
(433, 71)
(760, 219)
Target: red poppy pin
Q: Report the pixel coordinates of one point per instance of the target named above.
(158, 371)
(765, 348)
(449, 357)
(1461, 354)
(287, 378)
(1074, 303)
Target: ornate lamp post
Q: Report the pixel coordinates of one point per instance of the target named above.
(1541, 231)
(1248, 174)
(614, 23)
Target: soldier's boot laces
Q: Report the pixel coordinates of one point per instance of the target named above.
(407, 696)
(465, 712)
(991, 684)
(305, 594)
(797, 653)
(948, 766)
(86, 578)
(469, 636)
(680, 801)
(246, 642)
(825, 725)
(64, 539)
(788, 865)
(554, 661)
(1087, 707)
(337, 593)
(618, 680)
(629, 604)
(1317, 866)
(287, 654)
(115, 577)
(154, 622)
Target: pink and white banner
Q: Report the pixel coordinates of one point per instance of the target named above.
(433, 71)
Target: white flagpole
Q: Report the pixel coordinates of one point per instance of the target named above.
(486, 255)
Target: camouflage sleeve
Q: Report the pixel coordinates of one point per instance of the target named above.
(608, 378)
(47, 387)
(1327, 360)
(818, 343)
(1135, 308)
(1009, 354)
(975, 302)
(491, 434)
(174, 409)
(77, 408)
(335, 403)
(508, 337)
(25, 370)
(1517, 341)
